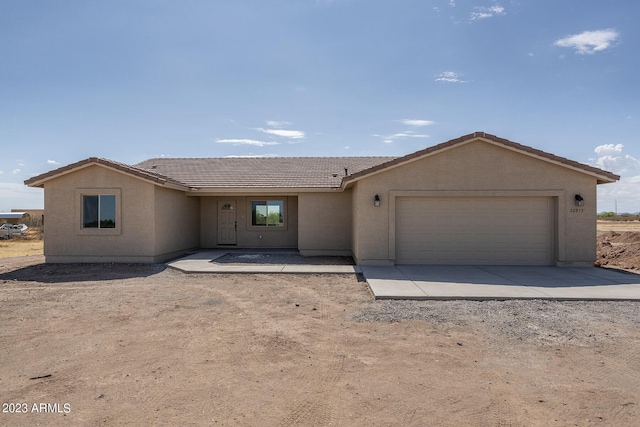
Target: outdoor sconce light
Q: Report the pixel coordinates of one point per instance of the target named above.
(376, 201)
(579, 200)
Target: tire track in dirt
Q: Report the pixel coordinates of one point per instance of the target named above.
(245, 352)
(325, 300)
(308, 413)
(320, 408)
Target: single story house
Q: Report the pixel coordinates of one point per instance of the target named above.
(477, 199)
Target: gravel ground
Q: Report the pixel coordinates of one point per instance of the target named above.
(577, 322)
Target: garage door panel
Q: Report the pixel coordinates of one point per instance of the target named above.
(474, 230)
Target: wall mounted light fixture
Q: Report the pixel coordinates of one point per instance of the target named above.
(376, 201)
(579, 200)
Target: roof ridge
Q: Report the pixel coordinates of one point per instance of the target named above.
(262, 158)
(490, 137)
(288, 172)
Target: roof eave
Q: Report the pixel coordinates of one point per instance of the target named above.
(602, 176)
(40, 180)
(227, 191)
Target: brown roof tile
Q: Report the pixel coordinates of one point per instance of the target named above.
(261, 172)
(287, 172)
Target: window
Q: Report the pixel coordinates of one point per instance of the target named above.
(268, 213)
(99, 211)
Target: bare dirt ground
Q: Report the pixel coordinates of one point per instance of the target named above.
(30, 245)
(618, 226)
(145, 345)
(125, 344)
(619, 244)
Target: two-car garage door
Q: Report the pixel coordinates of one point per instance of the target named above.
(474, 230)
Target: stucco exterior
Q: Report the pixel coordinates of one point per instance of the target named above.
(248, 236)
(480, 169)
(328, 209)
(147, 224)
(176, 222)
(325, 225)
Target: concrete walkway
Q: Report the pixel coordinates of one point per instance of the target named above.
(201, 262)
(501, 282)
(422, 282)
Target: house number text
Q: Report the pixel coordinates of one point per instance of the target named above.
(576, 210)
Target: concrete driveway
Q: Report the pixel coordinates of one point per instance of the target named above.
(423, 282)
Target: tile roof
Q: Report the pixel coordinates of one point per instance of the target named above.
(37, 181)
(603, 176)
(261, 172)
(246, 173)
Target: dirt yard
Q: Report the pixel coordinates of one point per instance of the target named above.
(619, 244)
(21, 247)
(122, 344)
(145, 345)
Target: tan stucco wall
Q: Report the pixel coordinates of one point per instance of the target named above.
(355, 220)
(484, 168)
(177, 222)
(325, 223)
(133, 240)
(248, 236)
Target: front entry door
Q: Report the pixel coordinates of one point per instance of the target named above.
(227, 224)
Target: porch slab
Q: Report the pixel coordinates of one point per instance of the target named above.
(202, 262)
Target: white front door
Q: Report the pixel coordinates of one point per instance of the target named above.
(227, 224)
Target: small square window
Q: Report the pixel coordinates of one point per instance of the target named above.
(99, 211)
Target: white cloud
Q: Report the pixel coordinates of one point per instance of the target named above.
(487, 12)
(16, 171)
(610, 158)
(417, 123)
(625, 192)
(390, 139)
(52, 162)
(293, 134)
(450, 77)
(589, 42)
(277, 124)
(452, 3)
(246, 142)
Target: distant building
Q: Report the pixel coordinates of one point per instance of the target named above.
(12, 217)
(35, 216)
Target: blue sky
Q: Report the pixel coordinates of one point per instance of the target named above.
(130, 80)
